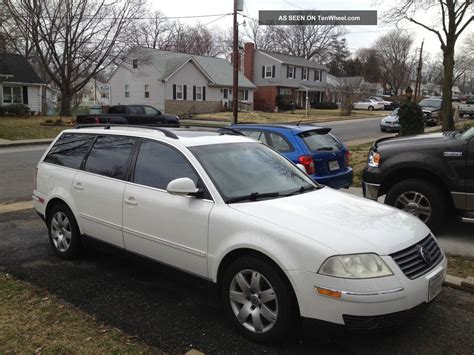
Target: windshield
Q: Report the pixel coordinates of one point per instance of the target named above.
(244, 169)
(430, 103)
(394, 112)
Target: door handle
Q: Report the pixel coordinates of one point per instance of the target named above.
(78, 186)
(131, 201)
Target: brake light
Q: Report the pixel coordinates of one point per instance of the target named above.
(308, 162)
(96, 119)
(348, 157)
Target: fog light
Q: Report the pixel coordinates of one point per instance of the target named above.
(329, 293)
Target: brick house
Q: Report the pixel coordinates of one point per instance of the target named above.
(177, 83)
(280, 74)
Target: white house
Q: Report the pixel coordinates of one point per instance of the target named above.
(19, 83)
(177, 83)
(95, 93)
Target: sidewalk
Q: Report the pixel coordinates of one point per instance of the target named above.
(21, 142)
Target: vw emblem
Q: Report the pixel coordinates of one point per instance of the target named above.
(425, 255)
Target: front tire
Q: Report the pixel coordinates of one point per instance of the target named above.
(258, 300)
(64, 234)
(420, 198)
(371, 108)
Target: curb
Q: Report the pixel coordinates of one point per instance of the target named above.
(20, 143)
(459, 283)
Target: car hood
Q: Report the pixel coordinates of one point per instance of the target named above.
(340, 221)
(431, 139)
(390, 119)
(429, 108)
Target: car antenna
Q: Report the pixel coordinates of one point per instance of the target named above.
(298, 124)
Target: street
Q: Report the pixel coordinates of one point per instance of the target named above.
(361, 128)
(175, 312)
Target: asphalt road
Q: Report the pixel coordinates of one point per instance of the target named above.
(361, 128)
(176, 312)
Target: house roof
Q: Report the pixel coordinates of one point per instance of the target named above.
(218, 70)
(17, 66)
(293, 60)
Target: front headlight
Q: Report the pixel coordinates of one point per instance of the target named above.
(355, 266)
(374, 159)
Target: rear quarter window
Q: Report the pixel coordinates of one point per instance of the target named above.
(315, 141)
(69, 150)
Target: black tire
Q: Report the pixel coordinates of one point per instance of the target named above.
(74, 246)
(371, 108)
(383, 129)
(287, 309)
(435, 196)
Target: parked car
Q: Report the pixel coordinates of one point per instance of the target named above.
(456, 98)
(129, 114)
(428, 175)
(388, 105)
(231, 210)
(431, 108)
(368, 104)
(324, 156)
(467, 108)
(391, 122)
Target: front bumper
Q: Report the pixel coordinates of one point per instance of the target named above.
(395, 127)
(365, 299)
(370, 191)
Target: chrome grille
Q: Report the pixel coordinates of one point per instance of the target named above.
(411, 261)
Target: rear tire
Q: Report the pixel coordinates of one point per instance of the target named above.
(64, 234)
(420, 198)
(258, 300)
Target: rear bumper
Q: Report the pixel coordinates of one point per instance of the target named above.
(341, 179)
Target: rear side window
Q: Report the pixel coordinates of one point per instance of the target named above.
(69, 150)
(135, 110)
(157, 164)
(109, 156)
(278, 143)
(315, 141)
(117, 109)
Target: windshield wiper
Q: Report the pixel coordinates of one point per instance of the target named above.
(301, 190)
(325, 148)
(253, 197)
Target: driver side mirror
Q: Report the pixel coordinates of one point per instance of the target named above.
(183, 186)
(301, 167)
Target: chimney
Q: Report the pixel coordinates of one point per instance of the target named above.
(249, 49)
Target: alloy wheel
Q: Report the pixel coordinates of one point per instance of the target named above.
(253, 301)
(61, 231)
(415, 203)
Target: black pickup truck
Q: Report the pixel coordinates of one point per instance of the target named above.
(130, 114)
(428, 175)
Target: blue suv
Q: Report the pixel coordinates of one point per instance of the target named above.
(325, 157)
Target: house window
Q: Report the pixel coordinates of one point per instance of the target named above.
(304, 73)
(268, 71)
(12, 95)
(179, 92)
(127, 91)
(147, 91)
(285, 91)
(290, 74)
(135, 63)
(317, 75)
(199, 93)
(243, 95)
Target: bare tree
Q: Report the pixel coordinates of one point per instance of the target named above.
(262, 36)
(74, 39)
(452, 19)
(351, 89)
(154, 32)
(394, 49)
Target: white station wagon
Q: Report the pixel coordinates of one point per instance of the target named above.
(232, 210)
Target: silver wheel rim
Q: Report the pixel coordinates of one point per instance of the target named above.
(61, 231)
(415, 203)
(253, 301)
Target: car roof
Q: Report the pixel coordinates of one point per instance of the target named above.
(187, 137)
(282, 127)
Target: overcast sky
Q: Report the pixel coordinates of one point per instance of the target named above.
(357, 37)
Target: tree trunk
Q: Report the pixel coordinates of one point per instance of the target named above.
(66, 99)
(446, 113)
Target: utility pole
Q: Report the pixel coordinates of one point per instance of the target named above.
(418, 73)
(235, 54)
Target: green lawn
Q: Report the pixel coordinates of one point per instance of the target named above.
(314, 115)
(15, 128)
(35, 321)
